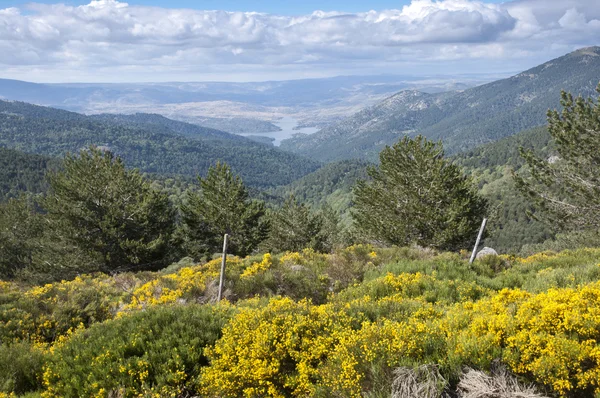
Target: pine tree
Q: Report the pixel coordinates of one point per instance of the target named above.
(332, 230)
(222, 206)
(21, 229)
(110, 212)
(295, 227)
(416, 196)
(567, 187)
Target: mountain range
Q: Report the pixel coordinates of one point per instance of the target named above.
(233, 107)
(461, 119)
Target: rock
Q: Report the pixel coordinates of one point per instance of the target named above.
(486, 251)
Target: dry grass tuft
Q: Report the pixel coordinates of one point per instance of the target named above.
(500, 384)
(422, 382)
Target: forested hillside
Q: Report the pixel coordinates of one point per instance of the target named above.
(462, 120)
(510, 226)
(331, 184)
(162, 124)
(148, 142)
(21, 172)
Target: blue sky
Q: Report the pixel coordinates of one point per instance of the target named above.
(185, 40)
(284, 7)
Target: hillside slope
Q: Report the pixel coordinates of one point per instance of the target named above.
(148, 142)
(462, 120)
(22, 172)
(331, 184)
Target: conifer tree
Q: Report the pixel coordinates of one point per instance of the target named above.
(295, 227)
(567, 187)
(222, 206)
(110, 212)
(20, 231)
(416, 196)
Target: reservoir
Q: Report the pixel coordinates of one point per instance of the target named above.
(287, 125)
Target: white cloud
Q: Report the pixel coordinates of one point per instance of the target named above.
(114, 38)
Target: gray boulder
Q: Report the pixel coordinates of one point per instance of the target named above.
(486, 251)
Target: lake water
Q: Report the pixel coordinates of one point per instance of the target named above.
(286, 125)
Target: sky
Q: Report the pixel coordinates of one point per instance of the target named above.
(243, 40)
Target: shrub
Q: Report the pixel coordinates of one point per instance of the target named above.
(350, 265)
(21, 366)
(157, 352)
(272, 351)
(286, 277)
(46, 312)
(555, 340)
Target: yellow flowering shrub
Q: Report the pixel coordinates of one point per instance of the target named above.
(363, 360)
(345, 321)
(537, 257)
(416, 285)
(308, 258)
(556, 339)
(157, 352)
(258, 267)
(477, 330)
(43, 313)
(188, 283)
(272, 351)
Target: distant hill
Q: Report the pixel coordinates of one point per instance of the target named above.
(149, 142)
(160, 123)
(462, 120)
(331, 184)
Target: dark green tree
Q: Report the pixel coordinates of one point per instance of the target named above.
(332, 231)
(566, 187)
(21, 231)
(110, 212)
(222, 206)
(416, 196)
(295, 227)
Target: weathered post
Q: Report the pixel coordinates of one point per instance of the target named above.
(477, 241)
(223, 261)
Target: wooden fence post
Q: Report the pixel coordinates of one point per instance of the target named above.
(477, 242)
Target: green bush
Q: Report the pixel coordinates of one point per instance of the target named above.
(156, 352)
(46, 312)
(21, 367)
(284, 278)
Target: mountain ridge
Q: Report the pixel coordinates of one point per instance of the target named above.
(461, 119)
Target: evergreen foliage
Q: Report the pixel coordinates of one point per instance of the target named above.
(416, 196)
(165, 364)
(110, 212)
(222, 206)
(567, 187)
(20, 231)
(295, 227)
(22, 172)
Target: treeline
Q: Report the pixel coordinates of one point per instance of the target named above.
(97, 215)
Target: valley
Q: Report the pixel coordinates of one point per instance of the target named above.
(303, 238)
